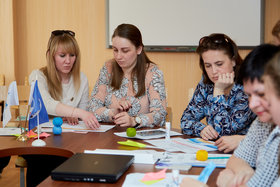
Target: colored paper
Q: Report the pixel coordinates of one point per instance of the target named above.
(31, 134)
(151, 182)
(154, 175)
(132, 143)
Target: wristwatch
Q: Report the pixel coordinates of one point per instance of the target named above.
(137, 121)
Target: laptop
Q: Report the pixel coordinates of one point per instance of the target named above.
(93, 168)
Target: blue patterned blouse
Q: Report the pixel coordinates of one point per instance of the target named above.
(227, 114)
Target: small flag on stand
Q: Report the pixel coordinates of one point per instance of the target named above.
(38, 113)
(12, 99)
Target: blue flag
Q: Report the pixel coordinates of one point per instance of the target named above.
(37, 109)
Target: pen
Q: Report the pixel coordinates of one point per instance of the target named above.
(225, 157)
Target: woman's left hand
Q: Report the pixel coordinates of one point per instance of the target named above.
(71, 121)
(187, 181)
(228, 143)
(225, 178)
(123, 119)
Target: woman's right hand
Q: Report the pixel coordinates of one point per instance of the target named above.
(71, 121)
(124, 105)
(209, 133)
(224, 81)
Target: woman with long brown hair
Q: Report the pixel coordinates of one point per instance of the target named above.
(218, 97)
(130, 89)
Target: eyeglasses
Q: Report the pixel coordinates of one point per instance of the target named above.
(61, 32)
(216, 39)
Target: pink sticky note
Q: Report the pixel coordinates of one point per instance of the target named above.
(154, 175)
(44, 135)
(31, 134)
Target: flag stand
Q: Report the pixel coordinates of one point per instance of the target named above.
(23, 137)
(38, 142)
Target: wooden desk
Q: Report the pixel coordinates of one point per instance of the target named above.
(76, 143)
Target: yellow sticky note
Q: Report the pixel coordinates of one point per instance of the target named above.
(132, 143)
(151, 182)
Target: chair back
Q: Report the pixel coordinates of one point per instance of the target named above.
(3, 94)
(16, 111)
(51, 151)
(40, 160)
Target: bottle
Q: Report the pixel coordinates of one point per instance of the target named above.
(175, 177)
(167, 131)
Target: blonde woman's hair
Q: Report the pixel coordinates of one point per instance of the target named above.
(67, 41)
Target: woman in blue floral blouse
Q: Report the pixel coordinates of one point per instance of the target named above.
(217, 97)
(130, 89)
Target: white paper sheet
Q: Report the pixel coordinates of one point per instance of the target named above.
(140, 156)
(81, 127)
(133, 179)
(9, 131)
(190, 159)
(179, 144)
(148, 134)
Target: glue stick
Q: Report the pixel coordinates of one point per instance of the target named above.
(167, 131)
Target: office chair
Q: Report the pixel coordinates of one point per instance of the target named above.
(40, 161)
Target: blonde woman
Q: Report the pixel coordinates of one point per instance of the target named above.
(63, 87)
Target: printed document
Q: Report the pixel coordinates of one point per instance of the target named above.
(81, 127)
(183, 145)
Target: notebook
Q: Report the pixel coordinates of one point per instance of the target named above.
(93, 168)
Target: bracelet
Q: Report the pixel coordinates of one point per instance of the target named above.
(73, 112)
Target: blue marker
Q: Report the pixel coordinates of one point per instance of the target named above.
(206, 172)
(202, 143)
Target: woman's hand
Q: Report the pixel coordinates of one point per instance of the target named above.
(124, 105)
(88, 118)
(209, 133)
(224, 81)
(123, 119)
(187, 181)
(242, 177)
(225, 177)
(228, 143)
(71, 121)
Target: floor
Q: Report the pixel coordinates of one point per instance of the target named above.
(10, 176)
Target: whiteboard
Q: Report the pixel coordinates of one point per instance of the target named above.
(177, 25)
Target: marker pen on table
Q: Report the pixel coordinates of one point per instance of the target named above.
(206, 172)
(219, 157)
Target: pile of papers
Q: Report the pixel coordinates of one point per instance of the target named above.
(184, 145)
(81, 127)
(173, 159)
